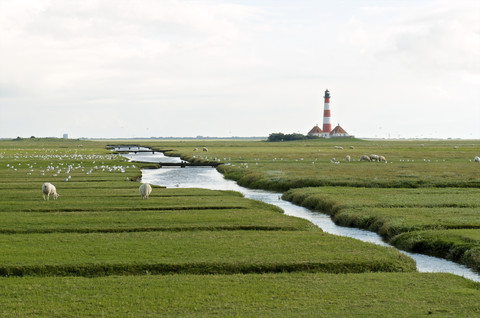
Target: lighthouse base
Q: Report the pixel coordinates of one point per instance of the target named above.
(325, 135)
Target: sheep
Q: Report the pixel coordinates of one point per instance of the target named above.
(195, 149)
(205, 149)
(476, 159)
(47, 189)
(347, 158)
(374, 157)
(338, 147)
(145, 189)
(351, 147)
(382, 158)
(365, 158)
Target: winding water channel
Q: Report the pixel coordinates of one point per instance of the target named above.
(210, 178)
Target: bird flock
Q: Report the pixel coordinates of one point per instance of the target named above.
(53, 165)
(43, 165)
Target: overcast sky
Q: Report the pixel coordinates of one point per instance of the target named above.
(129, 68)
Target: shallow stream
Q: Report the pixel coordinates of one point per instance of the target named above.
(210, 178)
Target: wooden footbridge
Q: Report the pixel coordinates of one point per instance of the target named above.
(182, 164)
(188, 164)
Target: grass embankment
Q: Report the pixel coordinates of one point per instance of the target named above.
(197, 252)
(442, 222)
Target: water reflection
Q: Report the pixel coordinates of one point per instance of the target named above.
(130, 148)
(210, 178)
(156, 157)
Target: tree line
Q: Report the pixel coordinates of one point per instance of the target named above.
(288, 137)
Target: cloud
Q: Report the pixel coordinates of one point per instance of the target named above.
(433, 38)
(69, 43)
(265, 63)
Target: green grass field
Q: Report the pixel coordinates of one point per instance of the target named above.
(205, 252)
(425, 185)
(252, 295)
(99, 250)
(284, 165)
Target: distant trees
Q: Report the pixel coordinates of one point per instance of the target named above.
(288, 137)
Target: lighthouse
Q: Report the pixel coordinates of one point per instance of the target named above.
(327, 125)
(327, 131)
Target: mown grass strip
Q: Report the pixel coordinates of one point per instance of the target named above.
(348, 197)
(224, 251)
(149, 220)
(124, 199)
(253, 295)
(389, 222)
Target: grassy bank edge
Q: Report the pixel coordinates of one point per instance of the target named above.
(429, 242)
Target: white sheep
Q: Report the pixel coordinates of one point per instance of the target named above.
(476, 159)
(347, 158)
(382, 158)
(365, 158)
(338, 147)
(47, 189)
(205, 149)
(145, 189)
(374, 157)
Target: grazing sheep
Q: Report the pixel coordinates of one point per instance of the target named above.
(195, 149)
(145, 189)
(374, 157)
(47, 189)
(365, 158)
(205, 149)
(338, 147)
(351, 147)
(476, 159)
(347, 158)
(382, 159)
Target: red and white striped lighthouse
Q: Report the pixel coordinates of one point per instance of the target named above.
(327, 125)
